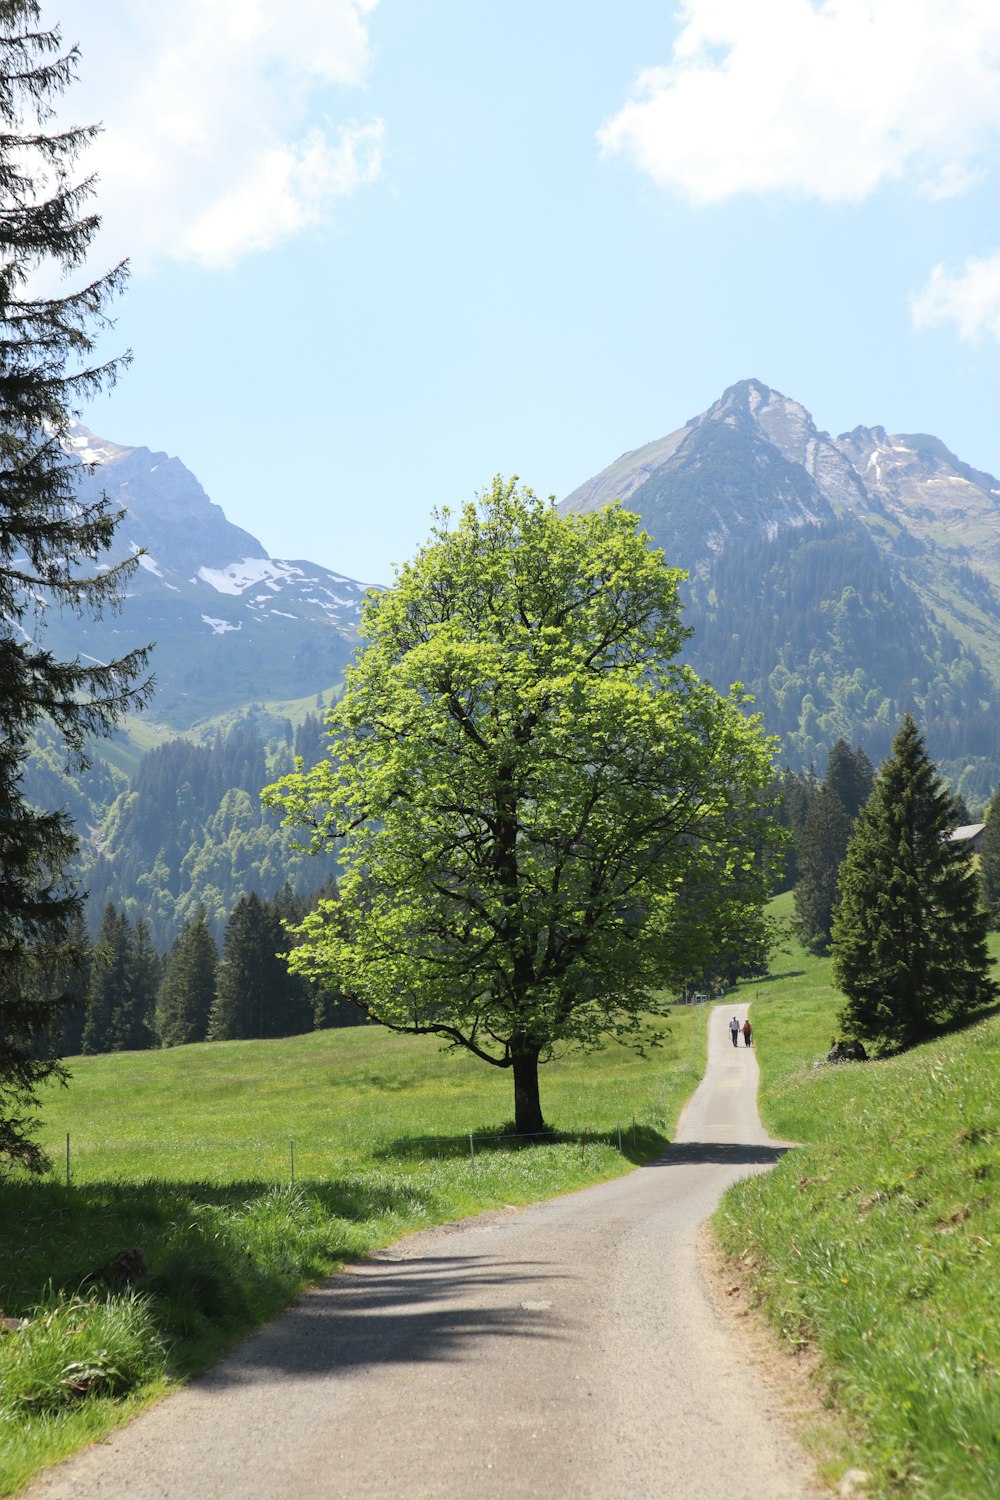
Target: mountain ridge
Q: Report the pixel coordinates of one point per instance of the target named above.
(753, 487)
(843, 580)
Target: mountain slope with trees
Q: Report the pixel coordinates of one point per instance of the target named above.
(844, 581)
(188, 834)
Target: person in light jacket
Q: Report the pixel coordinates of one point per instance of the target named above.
(734, 1030)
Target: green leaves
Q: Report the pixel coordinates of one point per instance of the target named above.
(526, 780)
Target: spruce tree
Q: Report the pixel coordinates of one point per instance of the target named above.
(850, 774)
(70, 985)
(50, 545)
(250, 976)
(291, 1010)
(989, 861)
(188, 988)
(909, 937)
(822, 845)
(133, 1025)
(255, 994)
(110, 982)
(794, 792)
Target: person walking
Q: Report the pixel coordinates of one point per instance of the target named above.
(734, 1030)
(747, 1033)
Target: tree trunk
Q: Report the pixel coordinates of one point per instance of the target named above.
(527, 1106)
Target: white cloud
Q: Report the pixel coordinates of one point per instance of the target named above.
(227, 126)
(823, 100)
(970, 299)
(289, 189)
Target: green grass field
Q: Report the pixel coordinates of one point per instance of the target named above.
(187, 1155)
(876, 1243)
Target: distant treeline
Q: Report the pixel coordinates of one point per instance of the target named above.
(124, 995)
(228, 979)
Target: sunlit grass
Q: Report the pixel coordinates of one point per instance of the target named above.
(877, 1242)
(228, 1110)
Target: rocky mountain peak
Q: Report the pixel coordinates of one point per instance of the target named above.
(752, 463)
(231, 625)
(930, 493)
(169, 513)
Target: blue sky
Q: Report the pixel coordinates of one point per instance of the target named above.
(384, 249)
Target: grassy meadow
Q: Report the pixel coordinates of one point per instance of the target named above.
(187, 1154)
(876, 1244)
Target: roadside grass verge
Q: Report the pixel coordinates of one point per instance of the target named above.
(876, 1243)
(186, 1154)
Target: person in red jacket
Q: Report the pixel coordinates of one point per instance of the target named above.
(747, 1033)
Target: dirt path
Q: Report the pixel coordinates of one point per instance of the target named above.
(565, 1350)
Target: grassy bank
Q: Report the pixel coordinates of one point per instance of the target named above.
(187, 1154)
(876, 1244)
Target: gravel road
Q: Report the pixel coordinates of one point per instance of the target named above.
(568, 1351)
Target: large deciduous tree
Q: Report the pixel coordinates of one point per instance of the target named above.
(909, 937)
(530, 787)
(50, 544)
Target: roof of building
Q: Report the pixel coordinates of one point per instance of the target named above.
(967, 831)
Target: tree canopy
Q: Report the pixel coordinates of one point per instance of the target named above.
(50, 543)
(909, 936)
(545, 816)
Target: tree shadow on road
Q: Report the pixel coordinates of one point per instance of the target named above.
(719, 1153)
(390, 1309)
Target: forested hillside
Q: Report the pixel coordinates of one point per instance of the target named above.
(835, 643)
(187, 831)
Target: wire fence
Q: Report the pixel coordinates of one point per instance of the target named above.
(469, 1143)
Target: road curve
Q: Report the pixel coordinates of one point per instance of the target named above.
(567, 1350)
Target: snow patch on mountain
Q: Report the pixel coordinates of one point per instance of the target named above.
(147, 562)
(220, 627)
(90, 449)
(249, 571)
